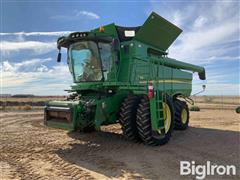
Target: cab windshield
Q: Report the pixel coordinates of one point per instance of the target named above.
(85, 61)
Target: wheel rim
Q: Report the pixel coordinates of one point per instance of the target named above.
(167, 117)
(184, 116)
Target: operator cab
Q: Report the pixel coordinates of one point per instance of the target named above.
(90, 59)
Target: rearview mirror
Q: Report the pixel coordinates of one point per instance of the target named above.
(59, 57)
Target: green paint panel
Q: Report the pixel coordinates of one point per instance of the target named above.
(158, 32)
(135, 61)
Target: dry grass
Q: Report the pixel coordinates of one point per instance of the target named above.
(32, 99)
(217, 99)
(26, 104)
(27, 108)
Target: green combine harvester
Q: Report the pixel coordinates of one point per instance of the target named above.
(123, 74)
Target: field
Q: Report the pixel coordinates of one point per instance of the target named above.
(29, 150)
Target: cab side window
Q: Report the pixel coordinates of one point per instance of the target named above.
(106, 57)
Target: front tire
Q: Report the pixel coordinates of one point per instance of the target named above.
(127, 118)
(144, 122)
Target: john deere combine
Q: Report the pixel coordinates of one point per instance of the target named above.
(123, 74)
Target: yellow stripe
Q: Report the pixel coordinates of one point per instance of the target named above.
(174, 81)
(168, 81)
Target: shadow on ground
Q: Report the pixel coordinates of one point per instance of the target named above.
(110, 154)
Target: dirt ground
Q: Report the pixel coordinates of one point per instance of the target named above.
(29, 150)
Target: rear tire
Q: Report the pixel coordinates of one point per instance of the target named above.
(181, 115)
(144, 123)
(127, 118)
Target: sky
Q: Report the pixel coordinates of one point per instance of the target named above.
(29, 30)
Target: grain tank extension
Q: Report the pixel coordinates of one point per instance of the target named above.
(124, 74)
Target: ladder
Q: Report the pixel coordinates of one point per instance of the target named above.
(159, 113)
(159, 108)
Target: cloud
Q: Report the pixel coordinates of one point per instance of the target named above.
(88, 14)
(37, 46)
(76, 15)
(177, 18)
(218, 58)
(220, 81)
(56, 33)
(25, 66)
(205, 35)
(194, 45)
(218, 89)
(211, 38)
(28, 41)
(200, 22)
(32, 76)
